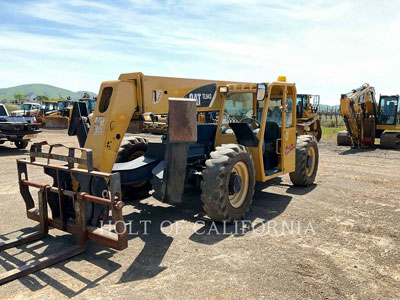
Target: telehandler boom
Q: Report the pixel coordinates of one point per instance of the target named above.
(155, 119)
(253, 140)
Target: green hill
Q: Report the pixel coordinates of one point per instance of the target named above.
(40, 89)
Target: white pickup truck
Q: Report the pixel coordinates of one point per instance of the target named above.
(17, 130)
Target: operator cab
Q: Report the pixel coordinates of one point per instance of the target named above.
(258, 116)
(388, 110)
(305, 102)
(301, 103)
(48, 106)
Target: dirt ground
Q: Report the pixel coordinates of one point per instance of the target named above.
(337, 239)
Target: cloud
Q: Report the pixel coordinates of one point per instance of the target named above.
(326, 47)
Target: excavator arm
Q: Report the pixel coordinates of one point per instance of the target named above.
(358, 108)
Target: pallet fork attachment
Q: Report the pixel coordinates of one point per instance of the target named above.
(78, 225)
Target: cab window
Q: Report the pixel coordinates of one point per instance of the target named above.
(275, 111)
(301, 103)
(289, 112)
(299, 106)
(238, 107)
(388, 107)
(3, 111)
(61, 105)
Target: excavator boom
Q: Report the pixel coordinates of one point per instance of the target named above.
(358, 108)
(366, 120)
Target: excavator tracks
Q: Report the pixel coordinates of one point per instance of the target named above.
(390, 140)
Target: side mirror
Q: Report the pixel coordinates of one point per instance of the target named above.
(261, 91)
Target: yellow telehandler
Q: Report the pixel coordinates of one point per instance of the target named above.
(254, 139)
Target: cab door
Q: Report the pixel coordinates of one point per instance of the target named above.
(288, 137)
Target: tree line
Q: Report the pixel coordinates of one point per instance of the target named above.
(21, 98)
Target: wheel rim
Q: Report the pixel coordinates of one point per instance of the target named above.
(133, 156)
(238, 198)
(310, 161)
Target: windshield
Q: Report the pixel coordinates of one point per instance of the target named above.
(238, 107)
(61, 105)
(26, 106)
(48, 106)
(92, 105)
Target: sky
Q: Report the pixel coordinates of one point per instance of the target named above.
(326, 47)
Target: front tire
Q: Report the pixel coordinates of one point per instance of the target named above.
(128, 151)
(228, 183)
(307, 158)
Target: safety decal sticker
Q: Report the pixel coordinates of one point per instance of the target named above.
(98, 126)
(289, 149)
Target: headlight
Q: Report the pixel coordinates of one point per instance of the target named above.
(223, 89)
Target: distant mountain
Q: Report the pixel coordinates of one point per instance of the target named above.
(32, 90)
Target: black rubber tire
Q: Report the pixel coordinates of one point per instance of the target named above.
(299, 176)
(343, 138)
(129, 147)
(214, 185)
(127, 153)
(21, 144)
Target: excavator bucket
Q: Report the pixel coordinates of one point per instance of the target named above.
(56, 122)
(76, 211)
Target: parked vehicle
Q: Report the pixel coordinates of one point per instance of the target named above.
(17, 129)
(27, 109)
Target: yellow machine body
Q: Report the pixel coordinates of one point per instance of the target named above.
(366, 120)
(135, 94)
(110, 122)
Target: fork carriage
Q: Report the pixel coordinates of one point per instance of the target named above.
(61, 201)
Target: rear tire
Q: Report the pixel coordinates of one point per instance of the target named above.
(130, 150)
(307, 158)
(228, 183)
(21, 144)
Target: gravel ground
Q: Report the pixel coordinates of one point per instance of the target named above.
(337, 239)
